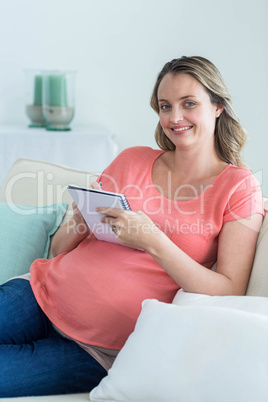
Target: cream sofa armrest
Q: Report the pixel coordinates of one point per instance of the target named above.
(258, 283)
(38, 183)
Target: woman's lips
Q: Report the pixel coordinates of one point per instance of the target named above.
(181, 129)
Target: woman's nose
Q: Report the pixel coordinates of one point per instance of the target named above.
(176, 115)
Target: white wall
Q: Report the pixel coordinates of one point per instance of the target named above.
(119, 46)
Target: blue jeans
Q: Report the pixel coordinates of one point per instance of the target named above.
(34, 358)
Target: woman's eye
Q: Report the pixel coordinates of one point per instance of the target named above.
(189, 104)
(164, 107)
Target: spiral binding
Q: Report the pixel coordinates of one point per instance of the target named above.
(125, 203)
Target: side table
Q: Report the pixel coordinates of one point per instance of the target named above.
(85, 148)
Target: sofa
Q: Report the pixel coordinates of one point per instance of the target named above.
(199, 348)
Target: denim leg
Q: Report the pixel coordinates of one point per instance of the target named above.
(49, 366)
(34, 359)
(21, 318)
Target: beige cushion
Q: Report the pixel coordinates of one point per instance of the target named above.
(38, 183)
(52, 398)
(258, 283)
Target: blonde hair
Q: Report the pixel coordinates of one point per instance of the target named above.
(230, 136)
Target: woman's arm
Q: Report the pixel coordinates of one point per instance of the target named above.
(236, 249)
(72, 233)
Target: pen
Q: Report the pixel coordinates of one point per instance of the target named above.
(100, 183)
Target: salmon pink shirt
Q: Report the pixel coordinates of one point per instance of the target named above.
(94, 293)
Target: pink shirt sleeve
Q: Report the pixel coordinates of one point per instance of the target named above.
(245, 201)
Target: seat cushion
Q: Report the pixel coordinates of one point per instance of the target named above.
(52, 398)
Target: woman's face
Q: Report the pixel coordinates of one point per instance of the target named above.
(186, 113)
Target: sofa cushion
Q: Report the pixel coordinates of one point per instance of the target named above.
(52, 398)
(258, 282)
(189, 353)
(251, 304)
(25, 235)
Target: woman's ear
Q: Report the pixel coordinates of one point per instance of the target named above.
(219, 110)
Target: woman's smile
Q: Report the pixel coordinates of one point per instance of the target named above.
(181, 129)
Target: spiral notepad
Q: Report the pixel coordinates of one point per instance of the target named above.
(88, 199)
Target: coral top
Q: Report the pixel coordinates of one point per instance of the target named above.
(94, 293)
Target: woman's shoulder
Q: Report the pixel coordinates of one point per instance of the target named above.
(243, 197)
(239, 178)
(133, 156)
(139, 151)
(236, 173)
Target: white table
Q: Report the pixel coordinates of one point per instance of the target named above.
(85, 148)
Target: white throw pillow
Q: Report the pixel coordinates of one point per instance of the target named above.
(190, 354)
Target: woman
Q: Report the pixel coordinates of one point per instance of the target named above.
(193, 203)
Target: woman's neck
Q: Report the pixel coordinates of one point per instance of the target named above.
(196, 165)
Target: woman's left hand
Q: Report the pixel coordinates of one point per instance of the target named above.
(133, 228)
